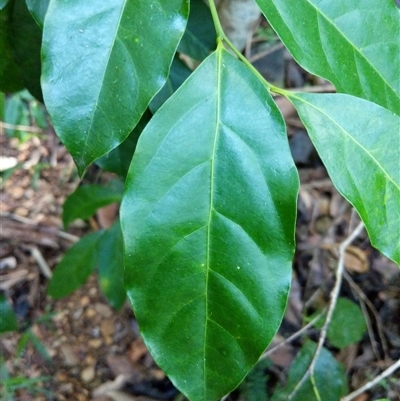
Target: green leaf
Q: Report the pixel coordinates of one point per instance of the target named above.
(101, 70)
(347, 325)
(16, 113)
(3, 3)
(199, 39)
(118, 160)
(111, 266)
(76, 266)
(358, 141)
(178, 74)
(26, 44)
(10, 74)
(254, 386)
(8, 320)
(329, 376)
(354, 44)
(208, 221)
(85, 201)
(38, 9)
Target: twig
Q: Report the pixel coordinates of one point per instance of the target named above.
(334, 296)
(265, 52)
(391, 369)
(298, 333)
(43, 266)
(26, 128)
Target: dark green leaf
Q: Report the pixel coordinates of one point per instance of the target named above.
(26, 44)
(358, 141)
(111, 266)
(118, 160)
(329, 376)
(10, 74)
(208, 222)
(354, 44)
(8, 320)
(199, 39)
(178, 74)
(38, 9)
(254, 386)
(76, 266)
(85, 201)
(101, 70)
(347, 325)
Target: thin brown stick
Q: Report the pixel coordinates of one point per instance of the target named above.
(17, 127)
(334, 296)
(391, 369)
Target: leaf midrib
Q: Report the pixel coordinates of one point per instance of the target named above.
(218, 117)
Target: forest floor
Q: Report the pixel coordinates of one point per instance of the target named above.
(79, 348)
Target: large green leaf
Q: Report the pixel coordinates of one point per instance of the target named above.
(111, 266)
(102, 65)
(3, 3)
(208, 222)
(76, 266)
(359, 143)
(329, 377)
(354, 44)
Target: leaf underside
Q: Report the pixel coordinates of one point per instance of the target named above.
(359, 143)
(208, 222)
(353, 44)
(101, 70)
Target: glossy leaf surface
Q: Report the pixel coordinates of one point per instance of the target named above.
(101, 70)
(354, 44)
(111, 266)
(329, 376)
(8, 320)
(358, 141)
(76, 266)
(208, 221)
(85, 201)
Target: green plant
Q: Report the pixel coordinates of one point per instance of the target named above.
(209, 206)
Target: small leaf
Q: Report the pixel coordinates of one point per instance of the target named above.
(353, 44)
(119, 159)
(101, 70)
(178, 74)
(347, 325)
(111, 266)
(358, 142)
(85, 201)
(208, 221)
(8, 320)
(38, 9)
(329, 376)
(76, 266)
(199, 39)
